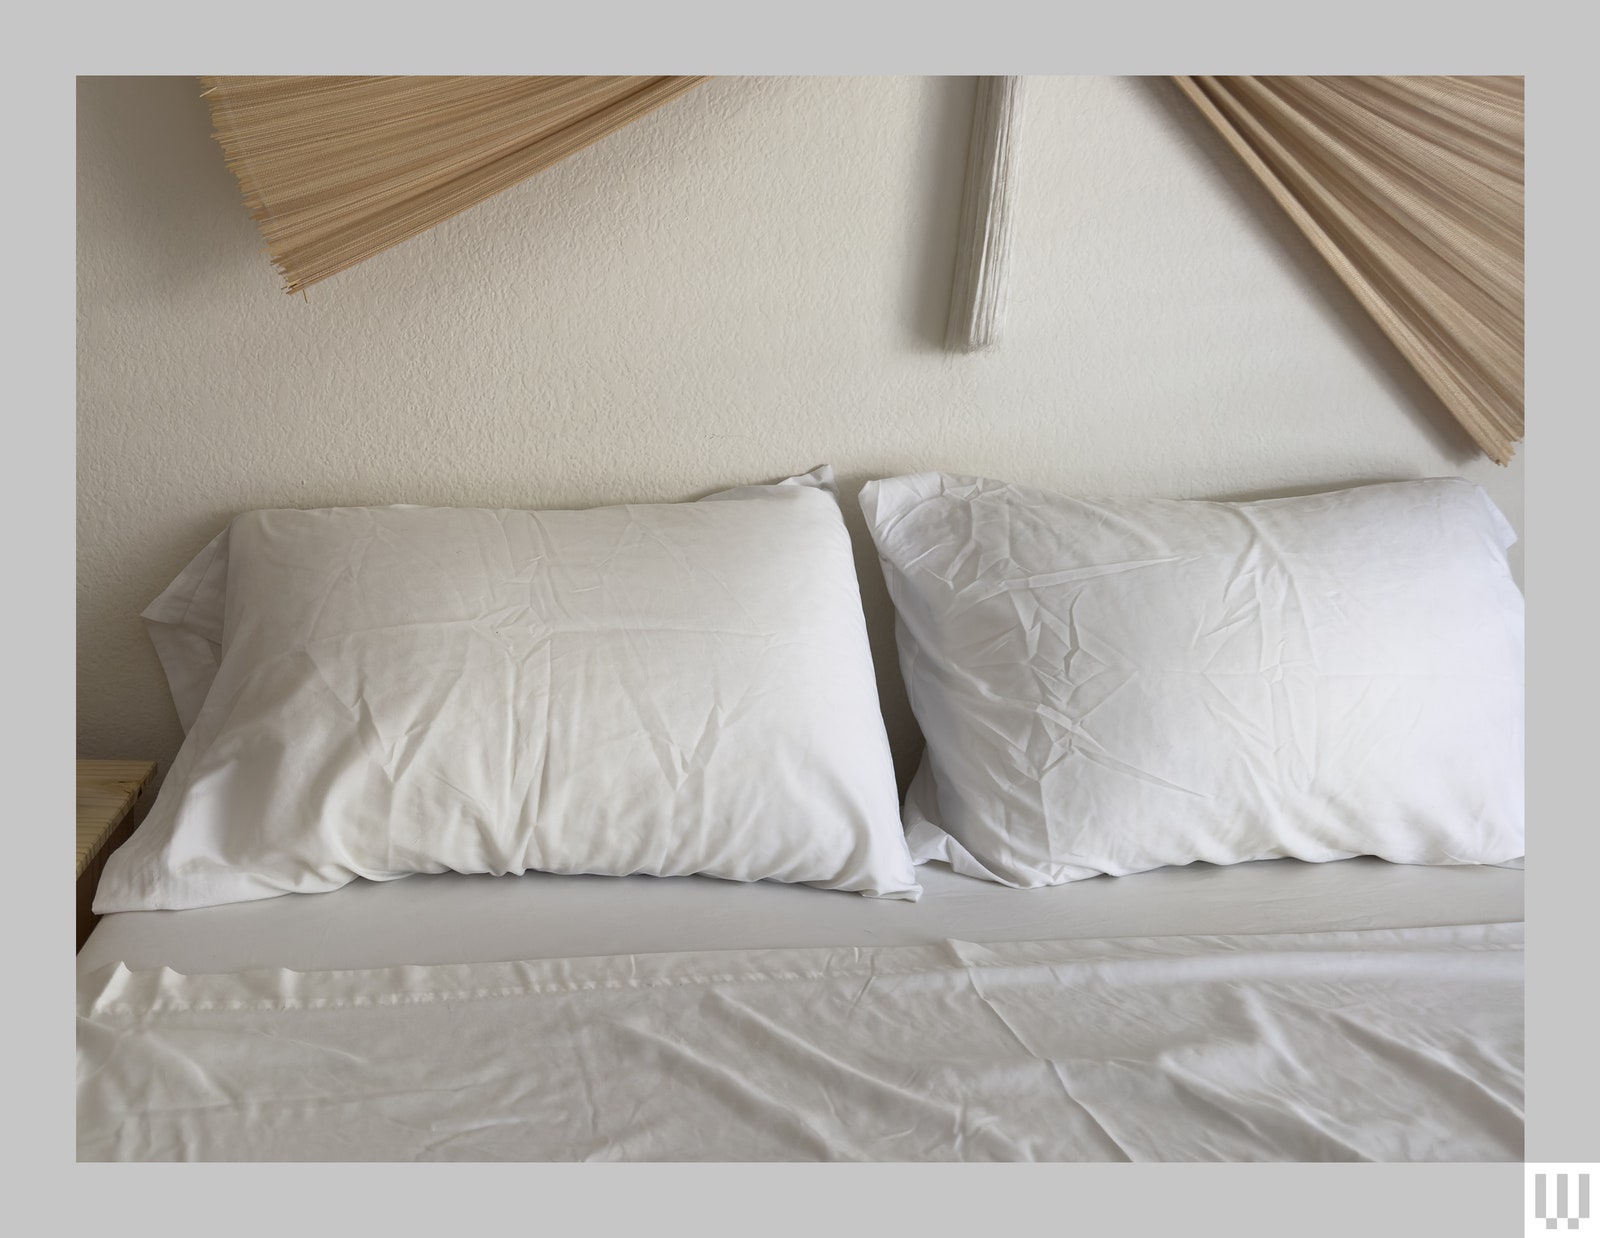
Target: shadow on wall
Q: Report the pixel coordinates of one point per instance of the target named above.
(151, 138)
(942, 149)
(1345, 314)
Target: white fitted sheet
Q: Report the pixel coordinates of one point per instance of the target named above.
(454, 918)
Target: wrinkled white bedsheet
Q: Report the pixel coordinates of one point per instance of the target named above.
(1387, 1044)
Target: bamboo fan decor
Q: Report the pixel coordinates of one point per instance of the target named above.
(988, 207)
(336, 169)
(1412, 189)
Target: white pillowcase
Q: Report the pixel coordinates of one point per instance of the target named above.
(1112, 686)
(373, 692)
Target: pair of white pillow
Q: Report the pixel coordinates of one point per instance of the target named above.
(687, 688)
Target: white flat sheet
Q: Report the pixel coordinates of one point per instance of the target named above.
(1387, 1044)
(451, 918)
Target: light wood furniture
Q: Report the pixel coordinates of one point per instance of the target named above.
(109, 807)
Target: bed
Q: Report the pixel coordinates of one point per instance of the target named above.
(276, 984)
(1355, 1010)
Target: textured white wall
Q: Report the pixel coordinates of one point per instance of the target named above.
(746, 284)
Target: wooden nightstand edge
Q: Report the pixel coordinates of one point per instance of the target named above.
(127, 781)
(109, 790)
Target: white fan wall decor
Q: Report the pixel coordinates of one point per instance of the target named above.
(983, 242)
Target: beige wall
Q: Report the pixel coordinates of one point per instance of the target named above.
(746, 284)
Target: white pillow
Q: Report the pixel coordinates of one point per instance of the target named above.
(1112, 686)
(668, 689)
